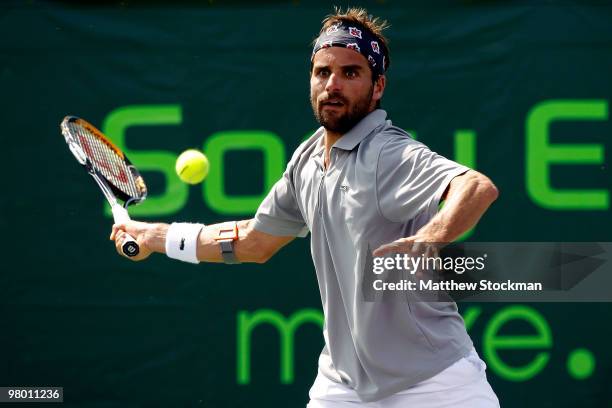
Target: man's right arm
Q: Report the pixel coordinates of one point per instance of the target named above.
(252, 245)
(278, 215)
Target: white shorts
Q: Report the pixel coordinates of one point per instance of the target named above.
(462, 385)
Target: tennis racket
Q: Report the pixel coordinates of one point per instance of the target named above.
(112, 171)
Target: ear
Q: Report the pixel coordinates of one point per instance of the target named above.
(379, 88)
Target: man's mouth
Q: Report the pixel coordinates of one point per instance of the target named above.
(332, 102)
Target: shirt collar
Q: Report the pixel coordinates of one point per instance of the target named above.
(320, 146)
(353, 137)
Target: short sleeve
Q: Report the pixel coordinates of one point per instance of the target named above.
(411, 179)
(279, 213)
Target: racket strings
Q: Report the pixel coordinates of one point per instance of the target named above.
(106, 161)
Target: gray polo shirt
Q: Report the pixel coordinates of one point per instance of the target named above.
(380, 185)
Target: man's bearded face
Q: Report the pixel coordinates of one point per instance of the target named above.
(341, 88)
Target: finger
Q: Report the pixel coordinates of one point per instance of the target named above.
(402, 245)
(119, 238)
(395, 246)
(417, 248)
(116, 227)
(430, 253)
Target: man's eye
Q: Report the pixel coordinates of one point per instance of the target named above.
(323, 73)
(351, 74)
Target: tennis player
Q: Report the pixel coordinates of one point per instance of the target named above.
(358, 183)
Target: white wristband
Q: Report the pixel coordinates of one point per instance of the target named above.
(182, 241)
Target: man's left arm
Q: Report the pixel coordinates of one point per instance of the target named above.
(467, 198)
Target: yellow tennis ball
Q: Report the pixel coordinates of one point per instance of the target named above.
(192, 166)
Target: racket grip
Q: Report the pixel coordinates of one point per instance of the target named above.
(129, 247)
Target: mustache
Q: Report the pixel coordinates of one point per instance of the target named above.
(334, 96)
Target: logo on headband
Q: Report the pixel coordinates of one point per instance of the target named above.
(375, 47)
(353, 46)
(371, 59)
(355, 32)
(332, 29)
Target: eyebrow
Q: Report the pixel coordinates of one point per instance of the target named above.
(355, 67)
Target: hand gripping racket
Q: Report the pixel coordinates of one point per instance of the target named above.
(112, 171)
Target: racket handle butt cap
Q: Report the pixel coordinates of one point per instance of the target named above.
(130, 246)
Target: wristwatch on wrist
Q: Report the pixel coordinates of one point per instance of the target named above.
(226, 239)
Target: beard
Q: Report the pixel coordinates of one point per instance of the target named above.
(342, 122)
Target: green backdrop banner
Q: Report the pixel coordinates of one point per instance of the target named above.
(518, 91)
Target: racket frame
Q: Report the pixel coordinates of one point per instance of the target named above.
(129, 246)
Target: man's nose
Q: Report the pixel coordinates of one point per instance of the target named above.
(334, 83)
